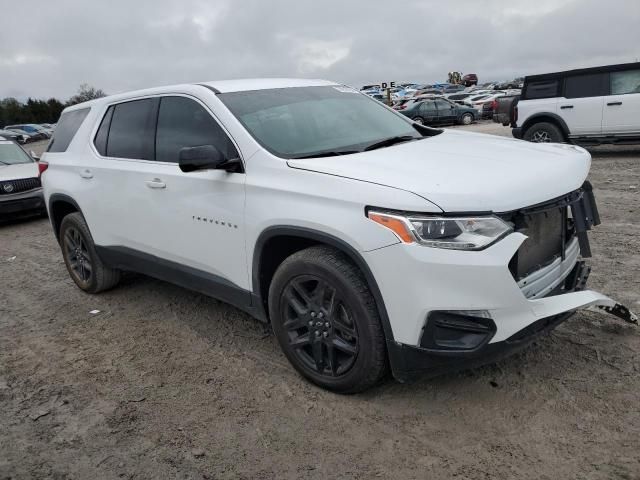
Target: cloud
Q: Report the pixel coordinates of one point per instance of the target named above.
(122, 45)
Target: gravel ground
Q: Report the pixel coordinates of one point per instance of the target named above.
(166, 383)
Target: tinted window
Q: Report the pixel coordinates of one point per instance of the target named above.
(182, 122)
(581, 86)
(101, 137)
(625, 82)
(131, 134)
(428, 105)
(68, 125)
(543, 89)
(443, 104)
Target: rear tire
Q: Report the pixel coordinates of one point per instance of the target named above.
(543, 132)
(84, 265)
(326, 320)
(418, 120)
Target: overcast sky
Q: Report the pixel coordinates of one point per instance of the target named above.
(48, 48)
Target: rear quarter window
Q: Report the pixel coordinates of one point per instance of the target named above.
(68, 125)
(541, 89)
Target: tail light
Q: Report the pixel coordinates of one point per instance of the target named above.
(42, 166)
(494, 105)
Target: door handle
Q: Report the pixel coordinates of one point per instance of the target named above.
(563, 107)
(610, 104)
(86, 173)
(155, 183)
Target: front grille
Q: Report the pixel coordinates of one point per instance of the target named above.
(548, 233)
(8, 187)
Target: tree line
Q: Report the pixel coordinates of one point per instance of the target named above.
(12, 111)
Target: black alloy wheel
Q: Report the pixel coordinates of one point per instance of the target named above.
(77, 255)
(326, 320)
(319, 325)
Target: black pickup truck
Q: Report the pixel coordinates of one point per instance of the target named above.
(505, 111)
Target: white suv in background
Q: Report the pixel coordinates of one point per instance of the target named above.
(366, 241)
(589, 106)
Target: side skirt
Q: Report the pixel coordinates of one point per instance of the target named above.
(220, 288)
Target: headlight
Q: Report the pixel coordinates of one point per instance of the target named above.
(457, 233)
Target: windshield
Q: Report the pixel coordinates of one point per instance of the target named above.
(310, 121)
(11, 154)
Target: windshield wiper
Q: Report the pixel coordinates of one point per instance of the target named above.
(4, 163)
(387, 142)
(336, 153)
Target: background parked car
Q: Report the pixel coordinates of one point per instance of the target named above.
(20, 188)
(438, 111)
(485, 104)
(15, 136)
(36, 131)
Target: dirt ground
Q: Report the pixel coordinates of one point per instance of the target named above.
(166, 383)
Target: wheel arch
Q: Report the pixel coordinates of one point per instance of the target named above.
(546, 117)
(61, 205)
(282, 241)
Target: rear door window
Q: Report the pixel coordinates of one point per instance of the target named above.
(131, 133)
(623, 83)
(68, 125)
(183, 122)
(583, 86)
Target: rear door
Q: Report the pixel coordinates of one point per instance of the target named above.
(582, 103)
(622, 106)
(125, 145)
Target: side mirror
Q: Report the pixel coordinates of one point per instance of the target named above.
(34, 155)
(203, 157)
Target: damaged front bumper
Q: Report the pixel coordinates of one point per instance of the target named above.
(459, 309)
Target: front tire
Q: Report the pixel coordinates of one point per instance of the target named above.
(466, 119)
(79, 253)
(418, 120)
(543, 132)
(326, 320)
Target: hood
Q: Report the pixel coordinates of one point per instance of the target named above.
(466, 172)
(20, 170)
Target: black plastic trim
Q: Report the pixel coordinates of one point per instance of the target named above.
(60, 197)
(540, 116)
(322, 237)
(581, 71)
(128, 259)
(412, 362)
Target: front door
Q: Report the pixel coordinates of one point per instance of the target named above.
(196, 219)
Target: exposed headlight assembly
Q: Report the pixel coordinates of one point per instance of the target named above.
(456, 233)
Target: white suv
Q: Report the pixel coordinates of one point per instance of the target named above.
(589, 106)
(366, 241)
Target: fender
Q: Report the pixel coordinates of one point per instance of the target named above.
(539, 116)
(60, 197)
(321, 237)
